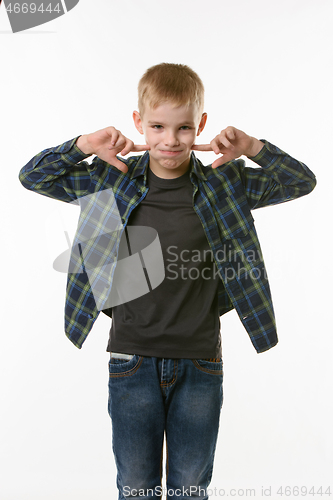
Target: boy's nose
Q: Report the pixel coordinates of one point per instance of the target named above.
(171, 140)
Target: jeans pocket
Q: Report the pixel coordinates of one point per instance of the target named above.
(212, 365)
(120, 367)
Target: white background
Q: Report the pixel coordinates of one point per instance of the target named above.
(266, 66)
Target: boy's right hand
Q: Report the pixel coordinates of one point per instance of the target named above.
(106, 144)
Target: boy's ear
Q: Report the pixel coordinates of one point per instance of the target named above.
(137, 121)
(202, 123)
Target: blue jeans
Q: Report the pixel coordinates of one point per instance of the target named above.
(149, 396)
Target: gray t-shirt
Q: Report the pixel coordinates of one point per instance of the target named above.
(179, 318)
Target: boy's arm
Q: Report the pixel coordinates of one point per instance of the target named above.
(61, 173)
(281, 178)
(58, 172)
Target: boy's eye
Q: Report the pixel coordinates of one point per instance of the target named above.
(184, 127)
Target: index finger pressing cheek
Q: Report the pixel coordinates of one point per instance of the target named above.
(202, 147)
(141, 147)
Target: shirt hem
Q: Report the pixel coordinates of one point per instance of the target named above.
(164, 353)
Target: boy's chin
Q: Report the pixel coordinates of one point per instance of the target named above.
(169, 163)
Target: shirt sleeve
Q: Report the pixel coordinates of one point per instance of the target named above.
(281, 178)
(51, 172)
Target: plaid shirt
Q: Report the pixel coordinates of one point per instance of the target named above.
(222, 198)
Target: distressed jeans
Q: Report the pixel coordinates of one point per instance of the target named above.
(150, 396)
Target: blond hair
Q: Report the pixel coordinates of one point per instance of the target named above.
(176, 83)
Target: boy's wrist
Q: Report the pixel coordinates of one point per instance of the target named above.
(255, 148)
(84, 146)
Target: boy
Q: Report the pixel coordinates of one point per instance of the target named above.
(166, 366)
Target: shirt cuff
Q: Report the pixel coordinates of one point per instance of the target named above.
(265, 154)
(70, 152)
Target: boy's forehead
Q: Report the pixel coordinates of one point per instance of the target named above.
(169, 113)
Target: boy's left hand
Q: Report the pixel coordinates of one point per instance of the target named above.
(231, 143)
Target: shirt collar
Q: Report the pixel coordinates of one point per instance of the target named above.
(142, 166)
(197, 167)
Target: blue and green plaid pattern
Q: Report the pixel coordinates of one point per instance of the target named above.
(223, 199)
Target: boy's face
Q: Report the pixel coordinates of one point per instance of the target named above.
(170, 132)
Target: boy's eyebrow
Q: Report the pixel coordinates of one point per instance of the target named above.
(150, 122)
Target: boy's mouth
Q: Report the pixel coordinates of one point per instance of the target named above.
(170, 153)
